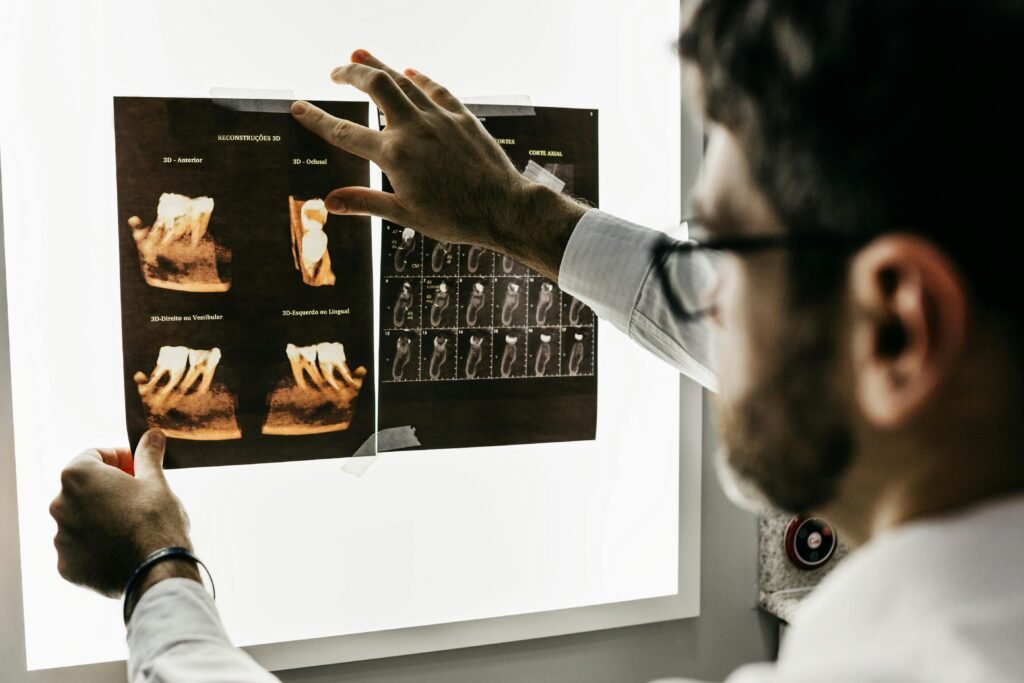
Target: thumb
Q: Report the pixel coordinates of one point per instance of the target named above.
(149, 455)
(365, 202)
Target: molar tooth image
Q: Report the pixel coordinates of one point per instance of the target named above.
(439, 357)
(507, 264)
(437, 256)
(405, 249)
(402, 355)
(476, 302)
(402, 305)
(320, 395)
(544, 301)
(473, 259)
(508, 356)
(189, 405)
(543, 355)
(511, 303)
(575, 310)
(476, 352)
(309, 241)
(441, 301)
(178, 252)
(576, 355)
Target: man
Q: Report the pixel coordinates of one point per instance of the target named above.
(869, 342)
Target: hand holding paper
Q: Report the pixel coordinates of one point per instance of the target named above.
(108, 520)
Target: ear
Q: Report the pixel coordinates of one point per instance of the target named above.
(909, 326)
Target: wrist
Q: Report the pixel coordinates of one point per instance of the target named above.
(168, 569)
(538, 228)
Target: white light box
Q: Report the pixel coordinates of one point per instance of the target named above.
(427, 549)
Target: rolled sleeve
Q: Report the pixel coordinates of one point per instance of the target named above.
(608, 265)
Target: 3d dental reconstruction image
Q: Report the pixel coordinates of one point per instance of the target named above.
(247, 309)
(477, 349)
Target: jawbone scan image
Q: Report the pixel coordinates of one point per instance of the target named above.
(178, 252)
(309, 241)
(320, 395)
(181, 398)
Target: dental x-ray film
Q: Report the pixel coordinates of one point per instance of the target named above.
(247, 309)
(477, 349)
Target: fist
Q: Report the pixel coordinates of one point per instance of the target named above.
(108, 520)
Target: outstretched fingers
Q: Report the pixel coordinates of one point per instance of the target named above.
(380, 86)
(436, 92)
(349, 136)
(411, 90)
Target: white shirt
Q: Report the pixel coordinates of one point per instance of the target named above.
(938, 600)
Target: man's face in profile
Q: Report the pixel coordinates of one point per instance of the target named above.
(782, 410)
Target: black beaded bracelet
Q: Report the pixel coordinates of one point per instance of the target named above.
(153, 559)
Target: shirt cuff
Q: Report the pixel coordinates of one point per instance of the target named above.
(606, 263)
(172, 611)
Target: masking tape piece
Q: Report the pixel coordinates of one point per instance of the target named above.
(539, 174)
(499, 106)
(390, 439)
(357, 466)
(493, 106)
(250, 100)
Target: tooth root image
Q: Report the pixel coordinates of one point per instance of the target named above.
(576, 354)
(440, 304)
(507, 264)
(544, 301)
(319, 396)
(576, 309)
(476, 302)
(330, 358)
(178, 252)
(510, 304)
(508, 356)
(439, 358)
(309, 241)
(540, 365)
(403, 352)
(181, 397)
(473, 259)
(405, 249)
(402, 305)
(476, 353)
(438, 255)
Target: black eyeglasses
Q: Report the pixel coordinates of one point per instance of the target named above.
(688, 270)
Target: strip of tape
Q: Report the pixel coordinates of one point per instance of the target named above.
(390, 439)
(483, 107)
(252, 100)
(500, 105)
(539, 174)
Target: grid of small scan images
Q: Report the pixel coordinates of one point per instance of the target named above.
(456, 312)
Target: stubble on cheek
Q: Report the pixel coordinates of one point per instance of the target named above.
(785, 433)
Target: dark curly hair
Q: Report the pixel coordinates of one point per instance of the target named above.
(878, 115)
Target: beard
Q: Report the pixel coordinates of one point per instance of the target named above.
(787, 442)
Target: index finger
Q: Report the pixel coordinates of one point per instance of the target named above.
(349, 136)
